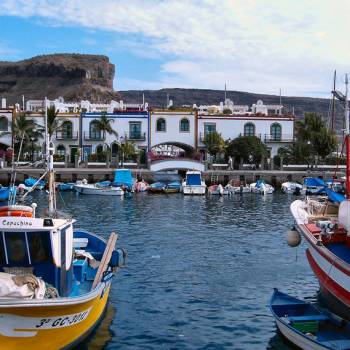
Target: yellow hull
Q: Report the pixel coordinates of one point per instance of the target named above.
(51, 327)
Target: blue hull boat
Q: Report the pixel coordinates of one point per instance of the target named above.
(306, 326)
(66, 186)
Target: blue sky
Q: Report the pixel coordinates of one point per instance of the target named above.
(251, 45)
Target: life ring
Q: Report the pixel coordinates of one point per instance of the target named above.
(17, 210)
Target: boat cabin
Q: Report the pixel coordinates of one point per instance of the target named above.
(42, 247)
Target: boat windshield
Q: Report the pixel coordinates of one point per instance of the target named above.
(193, 179)
(25, 248)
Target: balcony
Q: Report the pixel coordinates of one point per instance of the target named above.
(66, 136)
(137, 136)
(278, 138)
(94, 136)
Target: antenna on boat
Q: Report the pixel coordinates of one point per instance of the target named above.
(49, 150)
(347, 141)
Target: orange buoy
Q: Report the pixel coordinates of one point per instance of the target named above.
(16, 210)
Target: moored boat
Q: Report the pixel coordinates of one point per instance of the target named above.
(308, 327)
(141, 186)
(30, 182)
(193, 184)
(292, 187)
(260, 186)
(7, 192)
(314, 185)
(97, 189)
(156, 187)
(123, 178)
(172, 187)
(65, 186)
(216, 190)
(54, 281)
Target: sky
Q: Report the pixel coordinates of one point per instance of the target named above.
(251, 45)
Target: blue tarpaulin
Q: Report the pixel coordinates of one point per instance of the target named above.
(123, 177)
(193, 180)
(334, 196)
(313, 182)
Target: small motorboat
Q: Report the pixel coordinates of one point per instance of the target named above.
(216, 190)
(30, 182)
(157, 187)
(193, 184)
(292, 187)
(141, 186)
(83, 187)
(172, 187)
(308, 327)
(68, 186)
(260, 186)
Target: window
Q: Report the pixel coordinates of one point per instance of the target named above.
(17, 250)
(209, 128)
(276, 132)
(249, 129)
(184, 125)
(2, 251)
(39, 246)
(61, 150)
(67, 130)
(3, 124)
(95, 132)
(161, 125)
(135, 130)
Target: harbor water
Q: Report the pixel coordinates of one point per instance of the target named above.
(200, 270)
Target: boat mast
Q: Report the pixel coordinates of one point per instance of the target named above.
(49, 164)
(333, 102)
(347, 141)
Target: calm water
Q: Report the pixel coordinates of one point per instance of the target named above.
(200, 270)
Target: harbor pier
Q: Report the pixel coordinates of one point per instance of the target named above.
(274, 177)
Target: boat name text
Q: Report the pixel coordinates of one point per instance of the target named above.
(17, 223)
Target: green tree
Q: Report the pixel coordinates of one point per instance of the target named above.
(247, 148)
(214, 143)
(54, 123)
(104, 125)
(23, 129)
(227, 111)
(128, 150)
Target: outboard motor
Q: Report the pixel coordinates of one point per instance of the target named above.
(297, 191)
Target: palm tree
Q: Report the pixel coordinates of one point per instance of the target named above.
(104, 124)
(23, 129)
(53, 122)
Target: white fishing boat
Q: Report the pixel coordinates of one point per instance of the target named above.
(96, 189)
(193, 184)
(292, 187)
(54, 280)
(261, 187)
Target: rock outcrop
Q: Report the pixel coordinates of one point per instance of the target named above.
(73, 76)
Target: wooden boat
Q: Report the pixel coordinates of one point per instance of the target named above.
(54, 281)
(193, 184)
(308, 327)
(172, 187)
(157, 187)
(98, 189)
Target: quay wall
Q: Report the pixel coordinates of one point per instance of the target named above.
(273, 177)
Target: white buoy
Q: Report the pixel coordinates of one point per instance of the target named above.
(293, 238)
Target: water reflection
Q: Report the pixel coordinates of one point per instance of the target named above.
(98, 339)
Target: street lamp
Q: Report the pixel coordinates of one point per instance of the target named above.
(32, 139)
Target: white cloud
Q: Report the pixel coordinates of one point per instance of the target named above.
(254, 45)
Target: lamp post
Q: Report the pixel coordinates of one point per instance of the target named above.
(122, 151)
(32, 139)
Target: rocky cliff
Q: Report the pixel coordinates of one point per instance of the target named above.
(73, 76)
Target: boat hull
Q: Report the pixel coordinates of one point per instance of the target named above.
(193, 190)
(55, 325)
(103, 191)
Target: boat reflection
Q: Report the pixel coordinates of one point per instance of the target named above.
(99, 338)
